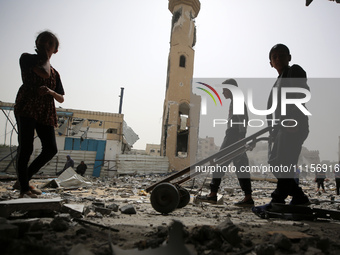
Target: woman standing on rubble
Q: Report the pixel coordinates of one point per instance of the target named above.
(35, 110)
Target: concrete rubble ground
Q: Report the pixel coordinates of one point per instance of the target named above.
(113, 215)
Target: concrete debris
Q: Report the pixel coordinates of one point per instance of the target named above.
(102, 210)
(75, 210)
(28, 204)
(265, 249)
(128, 209)
(113, 207)
(78, 220)
(229, 232)
(281, 241)
(70, 179)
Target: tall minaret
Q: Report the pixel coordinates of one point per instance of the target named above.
(181, 107)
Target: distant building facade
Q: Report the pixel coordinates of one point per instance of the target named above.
(206, 147)
(105, 133)
(153, 149)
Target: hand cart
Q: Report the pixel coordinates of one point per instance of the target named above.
(166, 197)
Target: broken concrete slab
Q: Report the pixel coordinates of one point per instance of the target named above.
(29, 204)
(68, 179)
(75, 210)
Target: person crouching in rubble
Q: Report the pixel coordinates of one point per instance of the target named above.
(287, 141)
(69, 163)
(81, 168)
(233, 134)
(35, 110)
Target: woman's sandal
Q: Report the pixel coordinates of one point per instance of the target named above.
(27, 194)
(35, 190)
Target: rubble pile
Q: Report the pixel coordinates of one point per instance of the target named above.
(113, 215)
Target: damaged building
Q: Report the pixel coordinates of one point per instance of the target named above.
(97, 138)
(181, 108)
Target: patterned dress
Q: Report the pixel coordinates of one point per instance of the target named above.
(28, 102)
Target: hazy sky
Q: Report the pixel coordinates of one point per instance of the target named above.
(109, 44)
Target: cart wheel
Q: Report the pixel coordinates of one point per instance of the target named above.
(164, 198)
(184, 197)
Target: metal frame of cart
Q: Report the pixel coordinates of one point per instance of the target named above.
(167, 194)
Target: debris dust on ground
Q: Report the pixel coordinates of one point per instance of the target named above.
(113, 215)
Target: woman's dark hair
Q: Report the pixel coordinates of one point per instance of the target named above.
(48, 34)
(279, 46)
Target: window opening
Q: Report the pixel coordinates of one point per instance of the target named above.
(182, 60)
